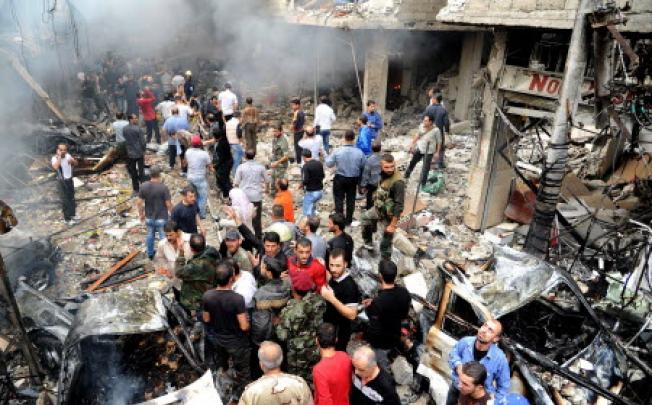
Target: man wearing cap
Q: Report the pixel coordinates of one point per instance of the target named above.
(298, 325)
(234, 250)
(199, 162)
(303, 262)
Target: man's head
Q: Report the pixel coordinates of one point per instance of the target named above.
(175, 110)
(336, 222)
(188, 195)
(388, 271)
(303, 250)
(282, 184)
(427, 121)
(171, 230)
(324, 100)
(197, 243)
(472, 378)
(337, 264)
(313, 222)
(362, 120)
(270, 356)
(249, 101)
(387, 165)
(295, 104)
(490, 332)
(214, 100)
(120, 116)
(302, 283)
(195, 141)
(232, 239)
(364, 362)
(326, 336)
(278, 130)
(433, 91)
(224, 274)
(272, 268)
(277, 211)
(227, 86)
(62, 149)
(306, 154)
(271, 243)
(133, 119)
(155, 173)
(376, 146)
(439, 98)
(310, 131)
(250, 154)
(371, 106)
(349, 136)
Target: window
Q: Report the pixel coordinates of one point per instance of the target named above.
(459, 314)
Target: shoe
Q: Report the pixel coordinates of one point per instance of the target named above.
(71, 222)
(355, 223)
(182, 174)
(134, 194)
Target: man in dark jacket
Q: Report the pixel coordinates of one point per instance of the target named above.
(312, 180)
(197, 274)
(135, 144)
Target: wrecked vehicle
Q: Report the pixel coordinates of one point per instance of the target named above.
(28, 256)
(125, 346)
(558, 352)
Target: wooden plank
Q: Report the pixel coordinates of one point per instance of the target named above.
(112, 270)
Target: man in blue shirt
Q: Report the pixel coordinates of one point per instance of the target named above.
(484, 349)
(374, 120)
(366, 136)
(173, 124)
(349, 162)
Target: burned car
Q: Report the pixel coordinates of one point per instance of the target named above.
(558, 350)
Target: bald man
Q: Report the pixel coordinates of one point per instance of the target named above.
(482, 348)
(371, 384)
(275, 387)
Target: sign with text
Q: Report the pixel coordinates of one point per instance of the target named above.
(537, 83)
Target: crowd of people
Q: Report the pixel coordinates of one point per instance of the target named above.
(278, 305)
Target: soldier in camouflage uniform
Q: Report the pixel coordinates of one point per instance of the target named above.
(280, 156)
(388, 206)
(197, 274)
(298, 326)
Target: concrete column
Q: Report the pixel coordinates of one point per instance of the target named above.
(470, 60)
(490, 176)
(376, 70)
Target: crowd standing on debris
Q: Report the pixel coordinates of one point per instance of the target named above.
(279, 307)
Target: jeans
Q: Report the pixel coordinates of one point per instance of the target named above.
(237, 152)
(136, 169)
(201, 185)
(416, 157)
(67, 192)
(345, 187)
(153, 226)
(153, 125)
(326, 134)
(310, 199)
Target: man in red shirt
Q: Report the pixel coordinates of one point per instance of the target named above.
(332, 375)
(146, 101)
(303, 261)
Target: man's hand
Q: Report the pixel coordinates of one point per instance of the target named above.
(412, 149)
(142, 218)
(367, 302)
(180, 243)
(327, 293)
(390, 228)
(273, 165)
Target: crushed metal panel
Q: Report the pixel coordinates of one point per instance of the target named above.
(202, 391)
(42, 312)
(520, 278)
(128, 311)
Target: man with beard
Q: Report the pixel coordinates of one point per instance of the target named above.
(387, 208)
(482, 348)
(303, 262)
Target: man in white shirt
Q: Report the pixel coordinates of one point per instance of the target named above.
(165, 108)
(184, 109)
(234, 136)
(118, 125)
(198, 163)
(62, 162)
(314, 143)
(168, 249)
(324, 119)
(228, 101)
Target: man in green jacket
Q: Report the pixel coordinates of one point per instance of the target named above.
(197, 274)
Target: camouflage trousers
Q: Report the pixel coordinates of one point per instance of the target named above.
(277, 173)
(302, 360)
(370, 219)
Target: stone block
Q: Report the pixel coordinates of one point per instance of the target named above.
(501, 5)
(551, 4)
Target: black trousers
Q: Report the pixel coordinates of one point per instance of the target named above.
(416, 157)
(172, 155)
(219, 355)
(67, 193)
(371, 189)
(223, 178)
(257, 221)
(136, 169)
(345, 188)
(453, 396)
(297, 148)
(152, 125)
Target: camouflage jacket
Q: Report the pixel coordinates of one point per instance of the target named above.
(300, 320)
(197, 276)
(280, 148)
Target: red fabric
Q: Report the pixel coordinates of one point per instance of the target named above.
(332, 379)
(284, 198)
(146, 104)
(316, 270)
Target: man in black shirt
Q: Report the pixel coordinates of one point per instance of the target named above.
(298, 121)
(227, 325)
(386, 312)
(135, 145)
(342, 240)
(312, 179)
(371, 384)
(342, 297)
(186, 213)
(272, 247)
